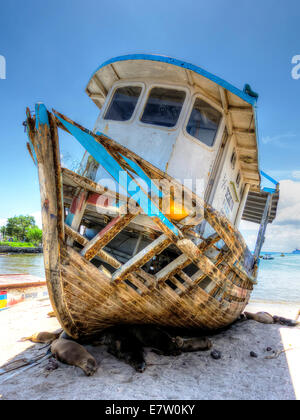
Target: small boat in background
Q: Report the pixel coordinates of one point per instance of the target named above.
(296, 252)
(268, 257)
(17, 288)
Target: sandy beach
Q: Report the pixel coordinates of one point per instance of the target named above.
(189, 376)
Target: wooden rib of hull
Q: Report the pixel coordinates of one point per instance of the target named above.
(87, 299)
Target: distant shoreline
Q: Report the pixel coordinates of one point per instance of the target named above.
(20, 250)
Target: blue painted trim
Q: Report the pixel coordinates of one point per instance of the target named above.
(41, 114)
(269, 178)
(185, 65)
(69, 219)
(151, 186)
(115, 170)
(269, 190)
(3, 297)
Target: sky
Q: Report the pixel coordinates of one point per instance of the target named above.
(52, 47)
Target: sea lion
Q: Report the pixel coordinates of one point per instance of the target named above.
(74, 354)
(129, 349)
(262, 317)
(285, 321)
(193, 344)
(156, 338)
(43, 337)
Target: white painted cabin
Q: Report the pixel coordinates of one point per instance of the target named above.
(188, 123)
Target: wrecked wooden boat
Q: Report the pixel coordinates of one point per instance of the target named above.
(146, 230)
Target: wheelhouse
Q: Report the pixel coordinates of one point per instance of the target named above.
(188, 123)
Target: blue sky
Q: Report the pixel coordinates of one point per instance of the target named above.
(52, 48)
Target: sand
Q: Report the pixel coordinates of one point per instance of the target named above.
(190, 376)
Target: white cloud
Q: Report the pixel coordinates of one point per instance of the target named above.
(280, 139)
(38, 218)
(296, 174)
(3, 222)
(283, 235)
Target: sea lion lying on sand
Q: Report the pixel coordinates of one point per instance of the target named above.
(156, 338)
(285, 321)
(262, 317)
(194, 344)
(126, 347)
(74, 354)
(126, 342)
(266, 318)
(43, 337)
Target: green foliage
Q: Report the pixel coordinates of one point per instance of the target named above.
(3, 231)
(22, 229)
(34, 235)
(18, 226)
(17, 244)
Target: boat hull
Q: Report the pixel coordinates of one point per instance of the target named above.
(205, 282)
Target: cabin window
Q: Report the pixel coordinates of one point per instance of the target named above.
(123, 103)
(204, 122)
(163, 107)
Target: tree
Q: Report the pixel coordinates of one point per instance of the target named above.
(34, 235)
(3, 231)
(18, 226)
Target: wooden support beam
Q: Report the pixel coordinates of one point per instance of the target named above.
(106, 235)
(58, 177)
(240, 110)
(42, 132)
(187, 279)
(224, 99)
(92, 186)
(244, 132)
(204, 263)
(178, 284)
(246, 149)
(263, 227)
(155, 248)
(105, 256)
(100, 86)
(79, 202)
(183, 260)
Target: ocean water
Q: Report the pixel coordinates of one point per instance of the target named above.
(22, 264)
(278, 279)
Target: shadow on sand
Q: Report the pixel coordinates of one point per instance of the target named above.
(236, 375)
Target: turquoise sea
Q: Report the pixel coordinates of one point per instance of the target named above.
(278, 280)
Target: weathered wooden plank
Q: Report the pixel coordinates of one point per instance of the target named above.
(51, 236)
(58, 177)
(92, 186)
(205, 264)
(263, 227)
(79, 202)
(140, 259)
(106, 235)
(105, 256)
(183, 260)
